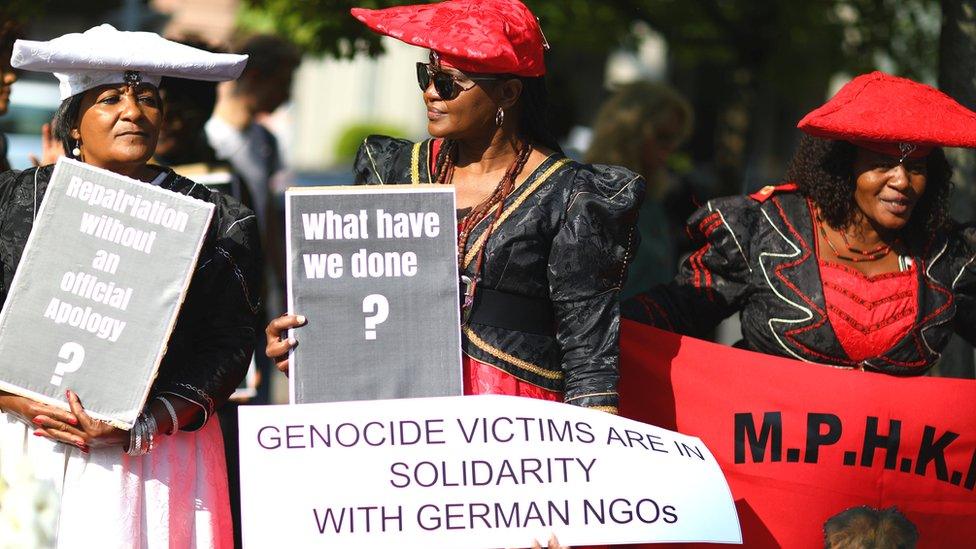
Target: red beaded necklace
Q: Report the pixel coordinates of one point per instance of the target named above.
(445, 175)
(871, 255)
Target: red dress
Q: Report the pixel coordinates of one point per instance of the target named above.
(869, 314)
(485, 379)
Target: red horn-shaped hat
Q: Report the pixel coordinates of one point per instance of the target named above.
(477, 36)
(893, 116)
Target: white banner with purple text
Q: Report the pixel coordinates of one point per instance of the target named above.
(476, 472)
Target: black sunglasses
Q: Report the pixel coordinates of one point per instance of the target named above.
(447, 85)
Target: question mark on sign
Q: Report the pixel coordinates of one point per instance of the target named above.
(73, 355)
(377, 308)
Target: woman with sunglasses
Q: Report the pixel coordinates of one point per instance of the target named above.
(543, 242)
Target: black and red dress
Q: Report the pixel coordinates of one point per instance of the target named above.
(759, 257)
(546, 316)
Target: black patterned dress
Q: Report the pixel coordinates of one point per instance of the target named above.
(758, 256)
(545, 321)
(184, 478)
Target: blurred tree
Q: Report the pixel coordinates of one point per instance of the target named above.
(748, 66)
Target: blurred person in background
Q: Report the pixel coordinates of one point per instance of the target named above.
(639, 128)
(10, 31)
(251, 149)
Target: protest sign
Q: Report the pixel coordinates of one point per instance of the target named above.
(374, 269)
(97, 290)
(802, 442)
(476, 472)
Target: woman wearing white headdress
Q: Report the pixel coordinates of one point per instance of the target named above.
(114, 491)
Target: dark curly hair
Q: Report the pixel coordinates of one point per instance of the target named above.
(823, 170)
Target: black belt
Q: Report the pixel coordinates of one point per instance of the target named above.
(512, 312)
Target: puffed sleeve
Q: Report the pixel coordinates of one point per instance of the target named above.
(964, 285)
(587, 267)
(376, 159)
(713, 282)
(15, 227)
(219, 315)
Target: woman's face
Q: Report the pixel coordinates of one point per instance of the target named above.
(471, 114)
(118, 126)
(7, 77)
(887, 189)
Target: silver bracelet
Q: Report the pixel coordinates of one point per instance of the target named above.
(142, 435)
(135, 438)
(150, 433)
(172, 414)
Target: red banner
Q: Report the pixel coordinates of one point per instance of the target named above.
(800, 442)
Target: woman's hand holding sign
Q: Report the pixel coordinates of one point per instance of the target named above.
(76, 427)
(277, 348)
(29, 410)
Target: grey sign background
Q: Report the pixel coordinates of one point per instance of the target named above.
(416, 352)
(114, 378)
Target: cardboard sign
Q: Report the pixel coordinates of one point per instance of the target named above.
(476, 472)
(97, 290)
(801, 442)
(374, 269)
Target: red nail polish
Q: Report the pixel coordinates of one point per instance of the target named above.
(67, 394)
(38, 434)
(37, 421)
(72, 421)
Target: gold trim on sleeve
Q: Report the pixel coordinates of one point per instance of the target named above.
(415, 164)
(590, 395)
(608, 409)
(518, 202)
(502, 355)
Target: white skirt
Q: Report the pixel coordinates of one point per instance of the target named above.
(175, 496)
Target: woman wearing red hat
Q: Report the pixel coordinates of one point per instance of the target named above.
(544, 242)
(854, 261)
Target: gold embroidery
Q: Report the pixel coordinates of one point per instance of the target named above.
(501, 369)
(590, 395)
(502, 355)
(608, 409)
(415, 164)
(508, 211)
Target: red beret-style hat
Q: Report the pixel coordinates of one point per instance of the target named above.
(893, 116)
(477, 36)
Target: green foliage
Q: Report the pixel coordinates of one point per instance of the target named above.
(318, 26)
(352, 137)
(786, 35)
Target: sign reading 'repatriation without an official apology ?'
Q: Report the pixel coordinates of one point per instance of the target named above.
(476, 472)
(374, 270)
(97, 290)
